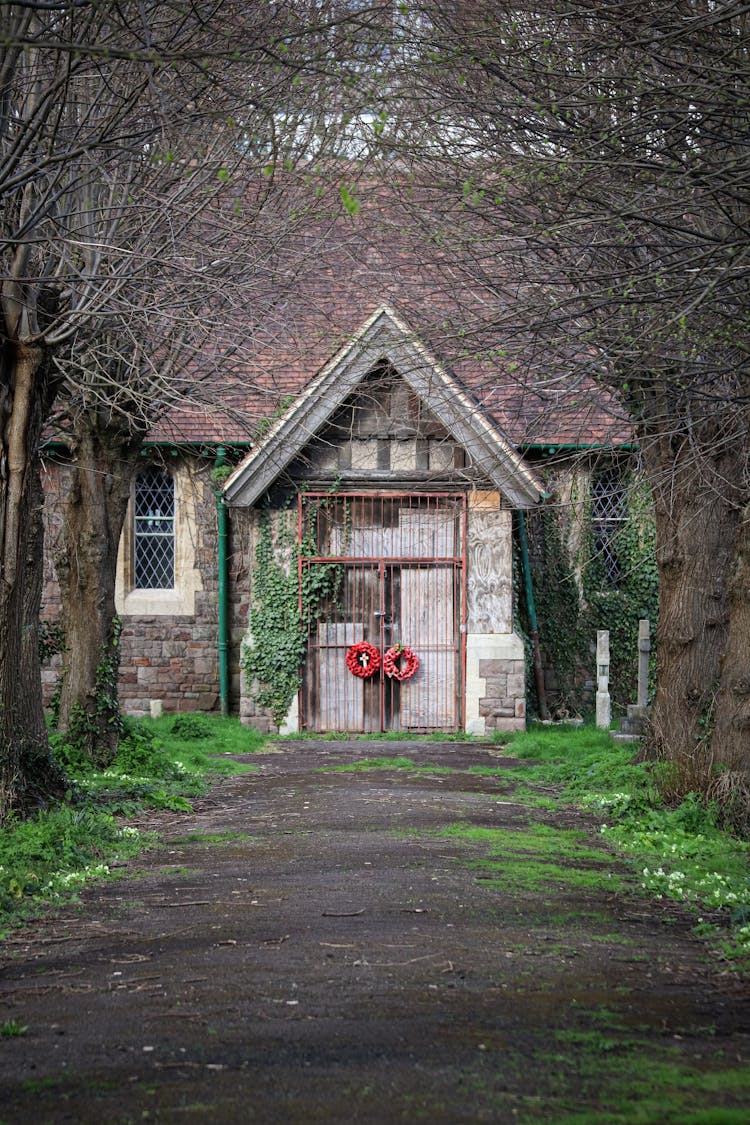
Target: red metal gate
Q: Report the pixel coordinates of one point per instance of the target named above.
(391, 569)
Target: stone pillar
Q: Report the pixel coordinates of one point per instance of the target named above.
(603, 705)
(634, 723)
(495, 668)
(644, 656)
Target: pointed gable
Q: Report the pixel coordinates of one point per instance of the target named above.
(385, 339)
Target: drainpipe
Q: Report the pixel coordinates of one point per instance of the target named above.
(531, 607)
(222, 524)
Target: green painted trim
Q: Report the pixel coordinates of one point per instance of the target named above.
(533, 625)
(526, 566)
(222, 518)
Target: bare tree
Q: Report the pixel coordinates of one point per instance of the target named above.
(47, 289)
(138, 143)
(598, 162)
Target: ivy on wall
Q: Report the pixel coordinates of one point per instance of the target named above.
(285, 605)
(618, 608)
(575, 598)
(562, 629)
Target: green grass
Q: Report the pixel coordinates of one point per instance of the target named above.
(47, 858)
(536, 857)
(210, 839)
(580, 760)
(626, 1081)
(678, 853)
(407, 764)
(596, 1070)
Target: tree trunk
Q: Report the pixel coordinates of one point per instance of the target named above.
(730, 744)
(86, 564)
(697, 517)
(28, 775)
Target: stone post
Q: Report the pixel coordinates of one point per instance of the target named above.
(644, 652)
(634, 723)
(603, 704)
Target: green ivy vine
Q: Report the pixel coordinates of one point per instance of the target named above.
(285, 605)
(94, 732)
(618, 608)
(570, 610)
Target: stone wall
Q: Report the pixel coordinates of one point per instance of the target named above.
(171, 657)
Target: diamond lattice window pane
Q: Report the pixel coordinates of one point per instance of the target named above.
(608, 513)
(608, 497)
(154, 530)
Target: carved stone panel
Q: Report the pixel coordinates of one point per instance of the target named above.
(489, 570)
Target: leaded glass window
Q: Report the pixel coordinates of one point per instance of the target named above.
(608, 513)
(154, 530)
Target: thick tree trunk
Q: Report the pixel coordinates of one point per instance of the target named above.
(86, 564)
(697, 518)
(730, 744)
(28, 776)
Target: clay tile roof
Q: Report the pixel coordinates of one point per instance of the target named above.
(329, 282)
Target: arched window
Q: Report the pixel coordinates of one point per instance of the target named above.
(153, 539)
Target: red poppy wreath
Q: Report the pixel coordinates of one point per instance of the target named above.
(363, 660)
(400, 662)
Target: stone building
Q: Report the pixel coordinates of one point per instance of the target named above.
(393, 472)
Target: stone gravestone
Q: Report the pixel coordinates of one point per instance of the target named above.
(603, 703)
(644, 655)
(634, 724)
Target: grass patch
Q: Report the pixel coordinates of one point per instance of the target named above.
(580, 760)
(46, 859)
(162, 763)
(210, 839)
(408, 764)
(636, 1084)
(596, 1071)
(520, 859)
(678, 853)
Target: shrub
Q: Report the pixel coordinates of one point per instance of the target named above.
(192, 726)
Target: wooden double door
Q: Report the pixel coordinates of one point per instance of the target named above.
(388, 602)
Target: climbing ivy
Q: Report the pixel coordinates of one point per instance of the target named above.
(271, 660)
(51, 640)
(220, 474)
(562, 627)
(95, 731)
(618, 608)
(574, 598)
(52, 643)
(285, 604)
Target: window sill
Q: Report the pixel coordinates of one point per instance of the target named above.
(147, 603)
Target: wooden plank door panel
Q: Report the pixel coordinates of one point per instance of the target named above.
(428, 699)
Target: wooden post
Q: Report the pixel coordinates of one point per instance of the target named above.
(603, 705)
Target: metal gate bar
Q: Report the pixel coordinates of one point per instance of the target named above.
(392, 569)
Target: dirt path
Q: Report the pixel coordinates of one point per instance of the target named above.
(348, 962)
